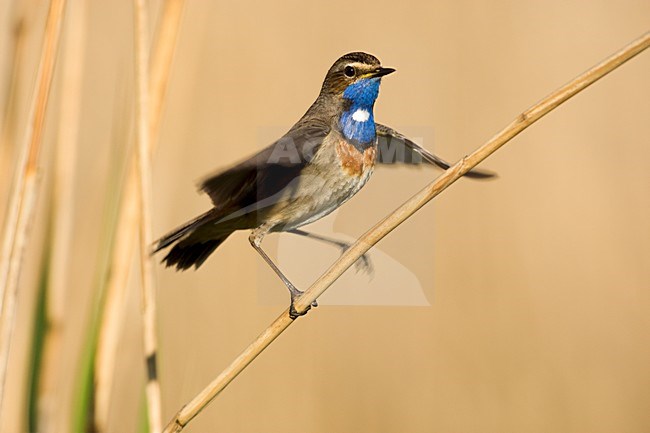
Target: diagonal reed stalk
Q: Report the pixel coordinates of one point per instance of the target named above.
(10, 106)
(143, 159)
(401, 214)
(25, 188)
(49, 378)
(125, 239)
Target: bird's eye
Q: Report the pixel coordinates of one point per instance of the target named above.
(349, 71)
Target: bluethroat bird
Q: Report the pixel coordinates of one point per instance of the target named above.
(318, 165)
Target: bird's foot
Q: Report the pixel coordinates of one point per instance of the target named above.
(363, 264)
(295, 294)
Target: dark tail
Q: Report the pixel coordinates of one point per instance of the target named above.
(191, 247)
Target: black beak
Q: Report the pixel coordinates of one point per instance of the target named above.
(380, 72)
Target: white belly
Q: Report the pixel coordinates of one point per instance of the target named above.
(327, 202)
(325, 185)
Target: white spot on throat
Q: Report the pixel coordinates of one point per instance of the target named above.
(361, 115)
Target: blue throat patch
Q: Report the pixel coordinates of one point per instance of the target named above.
(362, 96)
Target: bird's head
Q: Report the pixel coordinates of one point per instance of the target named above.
(355, 76)
(353, 82)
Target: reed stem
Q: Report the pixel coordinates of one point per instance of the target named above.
(143, 160)
(62, 228)
(25, 188)
(126, 228)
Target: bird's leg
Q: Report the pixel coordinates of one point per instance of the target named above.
(363, 263)
(256, 240)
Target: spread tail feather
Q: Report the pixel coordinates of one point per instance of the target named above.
(191, 248)
(182, 231)
(190, 252)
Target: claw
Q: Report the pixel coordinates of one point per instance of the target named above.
(295, 294)
(293, 314)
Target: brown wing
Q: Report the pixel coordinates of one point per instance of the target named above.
(395, 148)
(253, 183)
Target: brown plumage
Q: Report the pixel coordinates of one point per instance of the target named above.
(320, 163)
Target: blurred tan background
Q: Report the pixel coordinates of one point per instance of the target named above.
(538, 282)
